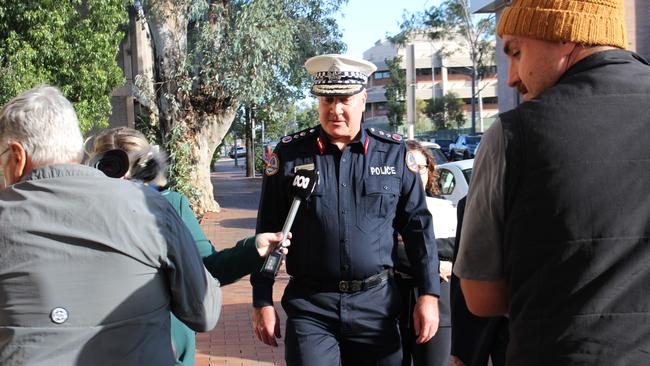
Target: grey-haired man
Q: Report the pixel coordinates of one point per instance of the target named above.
(90, 266)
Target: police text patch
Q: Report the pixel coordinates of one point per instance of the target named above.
(382, 170)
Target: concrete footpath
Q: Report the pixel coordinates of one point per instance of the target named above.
(233, 342)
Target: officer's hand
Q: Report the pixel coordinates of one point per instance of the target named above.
(445, 270)
(266, 325)
(425, 318)
(266, 242)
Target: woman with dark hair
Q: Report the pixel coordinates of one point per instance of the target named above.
(435, 352)
(125, 153)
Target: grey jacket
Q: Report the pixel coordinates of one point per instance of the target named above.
(90, 268)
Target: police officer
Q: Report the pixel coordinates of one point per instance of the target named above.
(341, 302)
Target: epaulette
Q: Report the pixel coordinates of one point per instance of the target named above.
(386, 136)
(298, 135)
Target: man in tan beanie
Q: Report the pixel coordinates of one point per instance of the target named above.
(558, 214)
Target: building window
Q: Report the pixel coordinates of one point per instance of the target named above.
(461, 70)
(381, 106)
(382, 75)
(423, 72)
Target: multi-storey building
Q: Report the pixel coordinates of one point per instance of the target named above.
(441, 67)
(637, 23)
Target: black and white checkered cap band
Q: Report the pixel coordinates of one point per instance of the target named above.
(340, 77)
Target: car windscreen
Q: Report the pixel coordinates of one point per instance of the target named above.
(439, 156)
(473, 140)
(468, 174)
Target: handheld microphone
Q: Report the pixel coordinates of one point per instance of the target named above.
(303, 185)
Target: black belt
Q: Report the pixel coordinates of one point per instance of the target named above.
(347, 286)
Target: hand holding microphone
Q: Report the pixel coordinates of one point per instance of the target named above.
(302, 186)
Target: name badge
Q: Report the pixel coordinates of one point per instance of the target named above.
(309, 166)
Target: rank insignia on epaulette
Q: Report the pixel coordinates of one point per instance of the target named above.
(389, 136)
(298, 135)
(272, 166)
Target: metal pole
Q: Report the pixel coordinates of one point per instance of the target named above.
(433, 76)
(410, 91)
(473, 100)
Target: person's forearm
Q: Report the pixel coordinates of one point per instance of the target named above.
(485, 298)
(231, 264)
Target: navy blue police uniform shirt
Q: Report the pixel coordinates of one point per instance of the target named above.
(345, 230)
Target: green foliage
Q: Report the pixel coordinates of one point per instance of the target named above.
(307, 116)
(446, 112)
(180, 152)
(238, 52)
(396, 93)
(253, 51)
(69, 44)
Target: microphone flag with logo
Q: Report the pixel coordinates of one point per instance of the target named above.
(302, 186)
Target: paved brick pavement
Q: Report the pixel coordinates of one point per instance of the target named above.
(233, 342)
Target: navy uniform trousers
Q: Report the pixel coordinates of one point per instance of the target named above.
(356, 328)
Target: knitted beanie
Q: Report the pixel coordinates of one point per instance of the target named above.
(587, 22)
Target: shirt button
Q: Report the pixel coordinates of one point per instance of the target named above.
(343, 212)
(345, 267)
(344, 160)
(344, 184)
(386, 188)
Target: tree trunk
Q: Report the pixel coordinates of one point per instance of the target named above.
(204, 142)
(168, 25)
(204, 130)
(250, 138)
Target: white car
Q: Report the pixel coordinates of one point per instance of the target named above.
(454, 179)
(435, 151)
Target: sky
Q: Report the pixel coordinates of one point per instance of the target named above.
(363, 22)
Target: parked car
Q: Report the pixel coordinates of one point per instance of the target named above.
(444, 145)
(454, 179)
(241, 152)
(436, 151)
(464, 147)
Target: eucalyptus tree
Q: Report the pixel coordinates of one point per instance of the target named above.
(213, 56)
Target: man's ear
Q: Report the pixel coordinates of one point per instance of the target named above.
(19, 162)
(364, 97)
(568, 48)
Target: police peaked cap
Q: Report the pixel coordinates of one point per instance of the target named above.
(338, 75)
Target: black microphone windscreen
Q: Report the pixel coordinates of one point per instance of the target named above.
(304, 182)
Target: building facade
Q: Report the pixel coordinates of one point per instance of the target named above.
(441, 67)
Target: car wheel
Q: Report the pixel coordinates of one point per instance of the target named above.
(452, 155)
(466, 155)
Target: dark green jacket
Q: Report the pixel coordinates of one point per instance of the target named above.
(227, 266)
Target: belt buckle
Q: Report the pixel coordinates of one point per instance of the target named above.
(350, 286)
(344, 286)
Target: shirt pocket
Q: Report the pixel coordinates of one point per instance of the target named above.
(376, 203)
